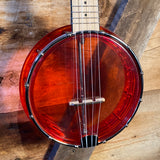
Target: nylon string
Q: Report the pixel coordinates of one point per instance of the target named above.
(92, 113)
(84, 80)
(76, 57)
(99, 80)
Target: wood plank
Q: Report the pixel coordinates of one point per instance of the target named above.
(19, 139)
(138, 22)
(150, 61)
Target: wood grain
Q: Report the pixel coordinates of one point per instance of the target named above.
(85, 15)
(150, 61)
(22, 24)
(138, 22)
(19, 139)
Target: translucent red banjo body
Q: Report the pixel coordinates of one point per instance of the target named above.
(81, 89)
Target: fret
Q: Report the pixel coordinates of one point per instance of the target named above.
(86, 26)
(87, 23)
(85, 15)
(85, 12)
(84, 20)
(86, 6)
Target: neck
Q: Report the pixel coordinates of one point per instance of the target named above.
(85, 15)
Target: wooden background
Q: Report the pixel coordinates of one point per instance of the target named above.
(22, 24)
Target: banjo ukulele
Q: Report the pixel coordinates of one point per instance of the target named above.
(80, 84)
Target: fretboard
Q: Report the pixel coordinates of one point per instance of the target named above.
(85, 15)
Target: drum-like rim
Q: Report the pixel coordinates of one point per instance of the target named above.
(55, 41)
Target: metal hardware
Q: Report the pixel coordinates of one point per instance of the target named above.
(42, 53)
(31, 116)
(141, 73)
(89, 141)
(87, 101)
(126, 125)
(38, 51)
(69, 34)
(26, 85)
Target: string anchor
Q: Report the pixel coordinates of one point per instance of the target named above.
(89, 141)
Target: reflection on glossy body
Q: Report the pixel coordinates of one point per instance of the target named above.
(56, 78)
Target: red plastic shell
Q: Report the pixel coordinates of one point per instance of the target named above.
(55, 82)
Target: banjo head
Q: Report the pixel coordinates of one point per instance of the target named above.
(55, 72)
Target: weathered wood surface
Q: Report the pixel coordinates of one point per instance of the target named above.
(138, 20)
(150, 61)
(19, 139)
(22, 23)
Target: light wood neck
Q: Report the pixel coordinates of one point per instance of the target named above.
(84, 15)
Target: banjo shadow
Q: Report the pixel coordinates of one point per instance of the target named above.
(31, 136)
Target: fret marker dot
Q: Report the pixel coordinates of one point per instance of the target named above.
(86, 14)
(85, 2)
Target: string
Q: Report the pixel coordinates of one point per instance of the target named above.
(92, 113)
(74, 58)
(84, 86)
(99, 80)
(80, 121)
(76, 69)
